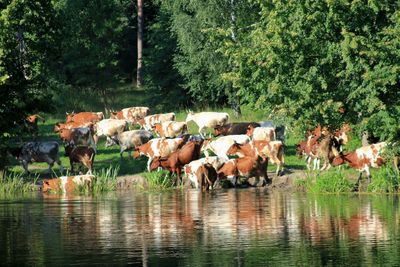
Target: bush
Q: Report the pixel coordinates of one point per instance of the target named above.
(385, 180)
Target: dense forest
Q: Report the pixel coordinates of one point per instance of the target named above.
(302, 62)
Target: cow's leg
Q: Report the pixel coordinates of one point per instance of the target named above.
(25, 166)
(308, 162)
(51, 164)
(72, 165)
(368, 174)
(121, 151)
(148, 163)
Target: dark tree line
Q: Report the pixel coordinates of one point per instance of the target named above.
(304, 62)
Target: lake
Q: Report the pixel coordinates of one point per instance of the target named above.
(236, 227)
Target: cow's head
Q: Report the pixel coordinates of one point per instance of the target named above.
(68, 146)
(250, 130)
(51, 185)
(218, 130)
(189, 116)
(155, 163)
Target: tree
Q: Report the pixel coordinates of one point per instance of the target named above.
(139, 78)
(27, 37)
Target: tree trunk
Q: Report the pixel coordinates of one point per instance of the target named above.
(234, 99)
(139, 78)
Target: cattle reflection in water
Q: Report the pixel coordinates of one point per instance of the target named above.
(141, 228)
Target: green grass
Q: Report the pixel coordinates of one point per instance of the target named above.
(159, 181)
(326, 182)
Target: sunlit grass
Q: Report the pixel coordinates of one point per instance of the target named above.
(159, 181)
(12, 183)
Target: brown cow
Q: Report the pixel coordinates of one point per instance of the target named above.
(207, 176)
(59, 125)
(85, 117)
(176, 160)
(80, 154)
(234, 128)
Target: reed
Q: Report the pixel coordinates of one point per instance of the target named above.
(328, 182)
(384, 180)
(106, 179)
(12, 183)
(159, 181)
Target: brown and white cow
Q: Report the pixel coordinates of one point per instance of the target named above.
(208, 119)
(67, 184)
(85, 117)
(170, 129)
(191, 169)
(148, 122)
(110, 127)
(363, 158)
(206, 176)
(261, 133)
(248, 166)
(158, 147)
(80, 154)
(132, 114)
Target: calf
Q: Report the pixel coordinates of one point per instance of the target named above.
(129, 140)
(149, 121)
(80, 154)
(67, 184)
(191, 169)
(158, 147)
(170, 129)
(38, 152)
(363, 158)
(221, 145)
(234, 128)
(176, 160)
(208, 119)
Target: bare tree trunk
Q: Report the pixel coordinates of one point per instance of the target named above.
(139, 78)
(234, 99)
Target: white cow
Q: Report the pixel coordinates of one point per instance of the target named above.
(221, 145)
(208, 119)
(110, 127)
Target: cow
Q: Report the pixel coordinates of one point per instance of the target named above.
(191, 169)
(148, 122)
(157, 147)
(132, 114)
(206, 177)
(176, 160)
(234, 128)
(78, 136)
(261, 133)
(267, 150)
(85, 117)
(363, 158)
(109, 128)
(32, 124)
(67, 184)
(170, 129)
(221, 145)
(80, 154)
(38, 152)
(59, 125)
(208, 119)
(129, 140)
(248, 166)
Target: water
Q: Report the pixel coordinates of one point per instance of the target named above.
(247, 227)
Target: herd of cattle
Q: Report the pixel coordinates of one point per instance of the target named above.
(174, 149)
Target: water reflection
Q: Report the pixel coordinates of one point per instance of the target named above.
(225, 228)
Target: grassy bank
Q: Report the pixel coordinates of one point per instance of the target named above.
(333, 180)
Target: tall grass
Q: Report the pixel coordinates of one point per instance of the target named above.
(12, 183)
(328, 182)
(106, 179)
(159, 181)
(385, 180)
